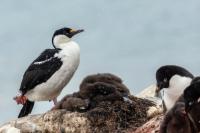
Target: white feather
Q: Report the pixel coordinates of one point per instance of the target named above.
(177, 85)
(70, 56)
(60, 41)
(41, 62)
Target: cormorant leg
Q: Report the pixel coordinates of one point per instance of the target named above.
(55, 101)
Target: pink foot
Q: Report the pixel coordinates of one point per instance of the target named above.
(55, 101)
(20, 99)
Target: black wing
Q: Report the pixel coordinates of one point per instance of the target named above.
(40, 70)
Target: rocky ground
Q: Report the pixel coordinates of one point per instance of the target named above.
(102, 104)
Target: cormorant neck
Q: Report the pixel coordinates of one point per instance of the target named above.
(60, 41)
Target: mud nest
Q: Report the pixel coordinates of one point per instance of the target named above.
(107, 103)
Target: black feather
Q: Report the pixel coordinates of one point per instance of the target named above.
(40, 70)
(192, 93)
(26, 109)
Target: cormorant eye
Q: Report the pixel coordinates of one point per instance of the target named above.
(165, 80)
(190, 103)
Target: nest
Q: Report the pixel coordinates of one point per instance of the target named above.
(107, 103)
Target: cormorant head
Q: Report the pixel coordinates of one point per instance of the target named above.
(188, 98)
(165, 73)
(192, 94)
(63, 35)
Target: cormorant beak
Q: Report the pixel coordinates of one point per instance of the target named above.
(157, 89)
(160, 86)
(74, 32)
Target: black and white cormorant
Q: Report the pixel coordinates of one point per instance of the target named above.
(172, 81)
(50, 72)
(192, 94)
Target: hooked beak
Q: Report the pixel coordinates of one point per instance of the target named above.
(157, 89)
(161, 85)
(74, 32)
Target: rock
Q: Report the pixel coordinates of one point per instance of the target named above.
(58, 121)
(149, 94)
(154, 112)
(152, 126)
(9, 129)
(102, 104)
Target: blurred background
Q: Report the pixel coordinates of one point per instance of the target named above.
(131, 39)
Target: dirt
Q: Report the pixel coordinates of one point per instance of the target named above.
(108, 104)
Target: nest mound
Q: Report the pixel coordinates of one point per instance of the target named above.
(107, 103)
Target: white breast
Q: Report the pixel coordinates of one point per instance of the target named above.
(177, 85)
(70, 56)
